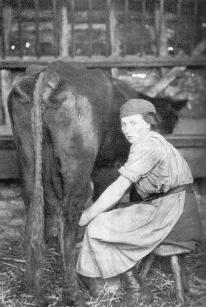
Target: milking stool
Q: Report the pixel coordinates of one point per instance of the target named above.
(174, 252)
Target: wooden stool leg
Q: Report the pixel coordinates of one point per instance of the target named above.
(183, 274)
(178, 280)
(148, 263)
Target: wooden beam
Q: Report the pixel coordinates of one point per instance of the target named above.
(72, 28)
(143, 19)
(107, 62)
(113, 29)
(178, 23)
(125, 27)
(194, 30)
(20, 29)
(6, 27)
(108, 12)
(37, 42)
(163, 51)
(55, 27)
(89, 22)
(176, 269)
(65, 34)
(2, 51)
(6, 84)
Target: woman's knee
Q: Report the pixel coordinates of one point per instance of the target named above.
(94, 227)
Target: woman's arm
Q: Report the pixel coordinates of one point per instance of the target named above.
(107, 200)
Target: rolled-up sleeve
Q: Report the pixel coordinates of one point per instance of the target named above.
(139, 163)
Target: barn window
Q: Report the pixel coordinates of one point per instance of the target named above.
(105, 28)
(28, 28)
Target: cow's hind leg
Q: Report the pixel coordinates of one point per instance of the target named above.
(33, 270)
(69, 217)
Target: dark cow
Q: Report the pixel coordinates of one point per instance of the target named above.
(65, 122)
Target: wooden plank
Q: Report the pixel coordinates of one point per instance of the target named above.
(195, 157)
(143, 19)
(109, 24)
(178, 23)
(37, 41)
(5, 130)
(2, 51)
(89, 21)
(113, 28)
(65, 34)
(72, 28)
(190, 126)
(187, 141)
(6, 24)
(9, 168)
(55, 27)
(20, 29)
(6, 84)
(194, 31)
(162, 48)
(125, 27)
(107, 62)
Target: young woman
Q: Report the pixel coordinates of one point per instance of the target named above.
(116, 240)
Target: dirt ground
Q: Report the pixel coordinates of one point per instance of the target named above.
(12, 263)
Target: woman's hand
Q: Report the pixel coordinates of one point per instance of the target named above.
(107, 200)
(86, 217)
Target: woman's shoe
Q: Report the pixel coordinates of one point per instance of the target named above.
(135, 292)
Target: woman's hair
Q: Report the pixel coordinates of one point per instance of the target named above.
(153, 119)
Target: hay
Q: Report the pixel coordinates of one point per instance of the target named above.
(160, 281)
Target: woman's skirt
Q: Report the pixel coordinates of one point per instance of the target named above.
(116, 240)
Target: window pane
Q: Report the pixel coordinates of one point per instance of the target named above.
(20, 28)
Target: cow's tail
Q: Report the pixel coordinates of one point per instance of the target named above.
(36, 213)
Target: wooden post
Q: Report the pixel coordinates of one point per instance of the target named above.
(89, 12)
(37, 42)
(178, 23)
(161, 32)
(183, 273)
(143, 21)
(6, 85)
(163, 51)
(147, 266)
(178, 280)
(7, 21)
(2, 48)
(20, 28)
(114, 35)
(72, 24)
(65, 36)
(55, 27)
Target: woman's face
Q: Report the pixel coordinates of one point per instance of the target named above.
(134, 127)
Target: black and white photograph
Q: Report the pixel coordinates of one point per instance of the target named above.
(102, 153)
